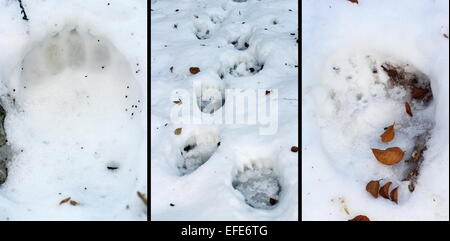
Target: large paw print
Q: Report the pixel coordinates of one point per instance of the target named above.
(76, 93)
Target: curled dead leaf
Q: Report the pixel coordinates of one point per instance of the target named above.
(194, 70)
(388, 135)
(64, 200)
(372, 187)
(394, 195)
(390, 156)
(177, 131)
(445, 35)
(178, 102)
(353, 1)
(294, 149)
(360, 218)
(408, 109)
(73, 203)
(384, 190)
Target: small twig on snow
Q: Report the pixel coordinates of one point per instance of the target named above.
(23, 11)
(142, 197)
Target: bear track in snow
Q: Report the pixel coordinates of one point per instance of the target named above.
(364, 94)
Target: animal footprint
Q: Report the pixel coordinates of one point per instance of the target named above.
(259, 186)
(365, 94)
(242, 40)
(197, 150)
(203, 28)
(77, 94)
(210, 95)
(241, 68)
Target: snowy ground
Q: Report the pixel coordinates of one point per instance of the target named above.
(346, 103)
(212, 170)
(73, 83)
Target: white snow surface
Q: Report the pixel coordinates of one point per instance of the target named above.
(345, 107)
(252, 46)
(73, 83)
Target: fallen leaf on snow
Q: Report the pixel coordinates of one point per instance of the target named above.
(394, 195)
(418, 93)
(388, 135)
(353, 1)
(390, 156)
(294, 149)
(360, 218)
(194, 70)
(408, 109)
(178, 102)
(177, 131)
(372, 187)
(384, 190)
(445, 35)
(73, 203)
(64, 200)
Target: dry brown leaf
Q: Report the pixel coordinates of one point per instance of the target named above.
(142, 197)
(394, 195)
(177, 131)
(360, 218)
(194, 70)
(408, 109)
(178, 102)
(388, 135)
(64, 200)
(372, 187)
(273, 201)
(390, 156)
(353, 1)
(418, 93)
(384, 190)
(445, 35)
(294, 149)
(73, 203)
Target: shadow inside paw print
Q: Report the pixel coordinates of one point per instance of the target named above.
(202, 34)
(5, 150)
(241, 69)
(240, 44)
